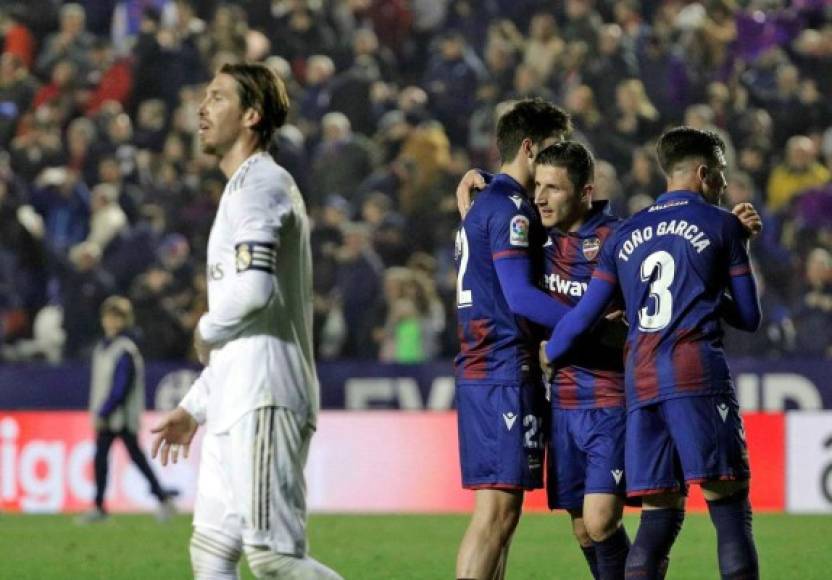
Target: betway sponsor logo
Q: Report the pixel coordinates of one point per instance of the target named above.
(554, 283)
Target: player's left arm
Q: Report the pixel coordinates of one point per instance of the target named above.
(742, 309)
(751, 221)
(257, 212)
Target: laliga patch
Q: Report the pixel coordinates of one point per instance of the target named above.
(590, 248)
(519, 231)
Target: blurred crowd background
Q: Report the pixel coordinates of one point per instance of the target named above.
(103, 189)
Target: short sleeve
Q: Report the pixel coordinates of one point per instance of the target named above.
(607, 269)
(510, 231)
(735, 246)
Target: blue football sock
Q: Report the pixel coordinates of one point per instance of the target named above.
(591, 559)
(737, 553)
(612, 555)
(656, 533)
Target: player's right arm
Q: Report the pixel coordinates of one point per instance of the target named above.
(174, 433)
(509, 234)
(599, 295)
(473, 180)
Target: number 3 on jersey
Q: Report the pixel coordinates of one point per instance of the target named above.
(463, 297)
(658, 268)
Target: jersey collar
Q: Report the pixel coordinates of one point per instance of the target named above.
(681, 194)
(599, 214)
(507, 184)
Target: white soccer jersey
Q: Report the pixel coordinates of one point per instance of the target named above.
(265, 358)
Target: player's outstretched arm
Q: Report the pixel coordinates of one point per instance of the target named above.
(599, 294)
(523, 297)
(742, 309)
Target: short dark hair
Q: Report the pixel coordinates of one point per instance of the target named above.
(681, 143)
(534, 119)
(572, 156)
(260, 88)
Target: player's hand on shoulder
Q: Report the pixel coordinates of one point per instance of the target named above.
(749, 218)
(471, 181)
(173, 435)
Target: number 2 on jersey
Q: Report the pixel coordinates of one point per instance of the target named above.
(463, 297)
(659, 310)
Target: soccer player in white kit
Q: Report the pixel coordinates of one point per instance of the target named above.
(258, 394)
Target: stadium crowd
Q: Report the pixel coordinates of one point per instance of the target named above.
(103, 191)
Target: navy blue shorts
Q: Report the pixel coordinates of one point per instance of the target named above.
(586, 455)
(501, 435)
(677, 442)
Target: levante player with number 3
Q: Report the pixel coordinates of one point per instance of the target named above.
(682, 266)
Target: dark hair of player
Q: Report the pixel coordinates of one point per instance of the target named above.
(572, 156)
(533, 119)
(261, 89)
(681, 143)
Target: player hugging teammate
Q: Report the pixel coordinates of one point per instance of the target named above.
(586, 431)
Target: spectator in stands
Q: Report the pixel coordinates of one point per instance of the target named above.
(644, 177)
(84, 286)
(358, 283)
(451, 80)
(17, 90)
(107, 219)
(613, 63)
(71, 41)
(17, 38)
(63, 202)
(342, 160)
(544, 47)
(813, 317)
(387, 229)
(799, 171)
(314, 102)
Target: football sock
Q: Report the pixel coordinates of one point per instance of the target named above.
(612, 555)
(591, 559)
(731, 517)
(656, 533)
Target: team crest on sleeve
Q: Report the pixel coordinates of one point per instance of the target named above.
(256, 256)
(519, 231)
(590, 247)
(243, 257)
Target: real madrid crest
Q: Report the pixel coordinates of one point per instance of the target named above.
(243, 257)
(590, 248)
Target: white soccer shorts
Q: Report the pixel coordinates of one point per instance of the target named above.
(251, 485)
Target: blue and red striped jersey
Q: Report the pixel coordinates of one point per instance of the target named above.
(592, 375)
(495, 345)
(672, 262)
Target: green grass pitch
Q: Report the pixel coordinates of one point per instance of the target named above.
(385, 547)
